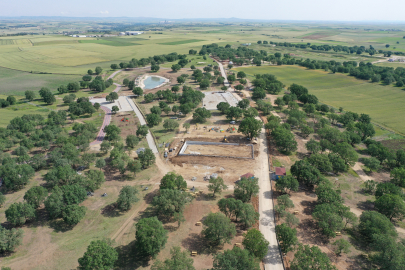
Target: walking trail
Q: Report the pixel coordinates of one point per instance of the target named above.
(267, 223)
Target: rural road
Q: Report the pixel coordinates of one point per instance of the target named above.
(267, 223)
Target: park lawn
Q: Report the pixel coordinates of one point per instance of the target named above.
(383, 103)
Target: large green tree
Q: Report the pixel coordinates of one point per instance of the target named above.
(218, 229)
(180, 260)
(35, 196)
(99, 255)
(146, 157)
(127, 197)
(235, 259)
(246, 188)
(250, 127)
(392, 206)
(287, 237)
(256, 244)
(307, 257)
(18, 213)
(72, 214)
(170, 202)
(151, 237)
(173, 181)
(217, 185)
(373, 223)
(10, 239)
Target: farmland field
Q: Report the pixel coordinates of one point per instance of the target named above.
(181, 42)
(383, 103)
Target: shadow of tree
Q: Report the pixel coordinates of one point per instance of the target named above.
(365, 205)
(111, 210)
(60, 226)
(308, 207)
(196, 242)
(129, 258)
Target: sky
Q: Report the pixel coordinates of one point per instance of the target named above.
(312, 10)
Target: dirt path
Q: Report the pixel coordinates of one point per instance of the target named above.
(363, 176)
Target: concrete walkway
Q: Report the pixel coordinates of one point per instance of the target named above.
(142, 121)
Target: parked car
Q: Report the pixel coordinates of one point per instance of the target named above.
(232, 122)
(165, 155)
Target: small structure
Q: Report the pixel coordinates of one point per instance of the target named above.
(280, 172)
(133, 33)
(198, 224)
(248, 176)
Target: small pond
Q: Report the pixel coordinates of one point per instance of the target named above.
(152, 82)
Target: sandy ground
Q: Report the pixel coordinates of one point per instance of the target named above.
(220, 150)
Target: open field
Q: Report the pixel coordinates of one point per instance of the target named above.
(383, 103)
(226, 150)
(14, 82)
(68, 55)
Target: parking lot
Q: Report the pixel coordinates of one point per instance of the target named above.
(212, 99)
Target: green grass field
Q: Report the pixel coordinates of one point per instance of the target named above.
(383, 103)
(181, 42)
(19, 110)
(14, 82)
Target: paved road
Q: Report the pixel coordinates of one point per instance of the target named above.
(267, 219)
(106, 122)
(142, 121)
(107, 116)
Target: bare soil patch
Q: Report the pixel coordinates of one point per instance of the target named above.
(127, 122)
(220, 150)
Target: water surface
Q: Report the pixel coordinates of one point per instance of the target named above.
(152, 82)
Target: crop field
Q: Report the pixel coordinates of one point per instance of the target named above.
(181, 42)
(383, 103)
(110, 42)
(68, 55)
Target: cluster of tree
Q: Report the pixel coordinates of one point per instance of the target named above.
(10, 239)
(239, 210)
(269, 83)
(10, 100)
(379, 233)
(119, 159)
(81, 106)
(153, 60)
(281, 134)
(171, 200)
(68, 187)
(238, 56)
(98, 84)
(386, 158)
